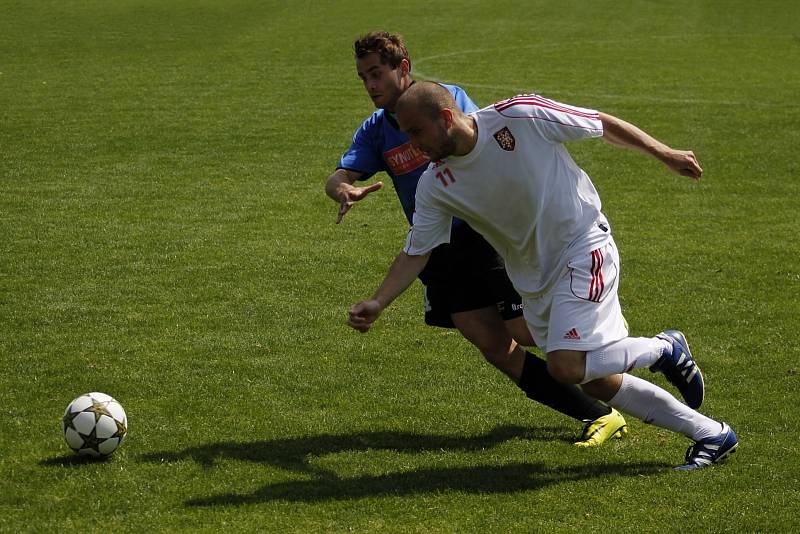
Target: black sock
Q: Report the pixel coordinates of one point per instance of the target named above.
(570, 400)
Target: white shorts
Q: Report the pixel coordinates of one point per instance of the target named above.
(582, 311)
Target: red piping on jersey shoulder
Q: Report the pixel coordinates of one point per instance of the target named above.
(533, 100)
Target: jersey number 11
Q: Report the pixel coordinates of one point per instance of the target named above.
(446, 177)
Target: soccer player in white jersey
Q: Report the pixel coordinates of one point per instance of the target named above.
(465, 284)
(505, 170)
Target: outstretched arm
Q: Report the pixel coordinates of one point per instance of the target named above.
(618, 132)
(401, 274)
(340, 188)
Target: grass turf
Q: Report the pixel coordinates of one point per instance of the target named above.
(166, 240)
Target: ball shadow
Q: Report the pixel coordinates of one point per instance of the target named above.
(68, 460)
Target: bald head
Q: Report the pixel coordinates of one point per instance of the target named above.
(434, 123)
(428, 98)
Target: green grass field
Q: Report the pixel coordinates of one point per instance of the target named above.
(166, 239)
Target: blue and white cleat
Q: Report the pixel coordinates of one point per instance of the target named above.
(680, 369)
(710, 450)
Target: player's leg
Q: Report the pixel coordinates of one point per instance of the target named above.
(714, 440)
(594, 350)
(486, 328)
(585, 308)
(465, 282)
(518, 329)
(601, 422)
(667, 352)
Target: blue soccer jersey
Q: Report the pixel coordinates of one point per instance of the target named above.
(379, 145)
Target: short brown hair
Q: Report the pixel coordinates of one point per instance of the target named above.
(390, 47)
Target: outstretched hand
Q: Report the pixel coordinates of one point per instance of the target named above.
(363, 314)
(683, 162)
(353, 194)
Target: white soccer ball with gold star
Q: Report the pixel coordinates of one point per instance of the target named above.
(94, 424)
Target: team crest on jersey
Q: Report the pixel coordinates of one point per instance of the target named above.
(505, 139)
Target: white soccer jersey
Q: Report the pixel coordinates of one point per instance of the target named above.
(519, 187)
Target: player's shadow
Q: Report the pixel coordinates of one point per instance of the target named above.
(482, 479)
(294, 454)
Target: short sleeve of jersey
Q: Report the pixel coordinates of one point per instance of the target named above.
(362, 155)
(556, 122)
(463, 100)
(431, 226)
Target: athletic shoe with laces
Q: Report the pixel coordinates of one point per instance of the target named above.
(680, 368)
(596, 432)
(710, 450)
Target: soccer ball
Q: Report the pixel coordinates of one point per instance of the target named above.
(94, 424)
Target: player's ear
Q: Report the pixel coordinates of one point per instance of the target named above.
(405, 67)
(447, 115)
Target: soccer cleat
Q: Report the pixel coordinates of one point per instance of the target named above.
(710, 450)
(680, 369)
(596, 432)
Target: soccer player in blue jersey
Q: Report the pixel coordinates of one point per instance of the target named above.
(466, 286)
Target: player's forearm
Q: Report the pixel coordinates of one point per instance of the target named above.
(402, 273)
(340, 179)
(620, 133)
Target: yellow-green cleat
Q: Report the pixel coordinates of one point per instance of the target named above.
(596, 432)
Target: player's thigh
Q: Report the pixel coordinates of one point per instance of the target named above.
(585, 313)
(509, 303)
(484, 328)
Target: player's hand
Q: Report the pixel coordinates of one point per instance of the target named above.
(683, 162)
(363, 314)
(351, 194)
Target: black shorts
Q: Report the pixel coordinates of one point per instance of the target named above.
(466, 274)
(492, 288)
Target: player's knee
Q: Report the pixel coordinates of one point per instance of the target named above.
(497, 354)
(564, 368)
(518, 329)
(492, 340)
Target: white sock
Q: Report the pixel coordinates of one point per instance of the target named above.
(651, 404)
(624, 355)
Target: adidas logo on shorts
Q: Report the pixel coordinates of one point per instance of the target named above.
(572, 334)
